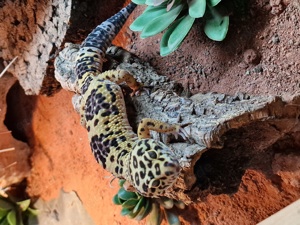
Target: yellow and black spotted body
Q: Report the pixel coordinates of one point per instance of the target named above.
(148, 165)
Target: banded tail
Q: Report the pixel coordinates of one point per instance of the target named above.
(92, 51)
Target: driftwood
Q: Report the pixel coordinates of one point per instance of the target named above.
(215, 119)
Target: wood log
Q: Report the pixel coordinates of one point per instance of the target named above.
(216, 120)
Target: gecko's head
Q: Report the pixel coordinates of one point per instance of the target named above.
(153, 167)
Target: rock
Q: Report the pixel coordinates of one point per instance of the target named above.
(67, 209)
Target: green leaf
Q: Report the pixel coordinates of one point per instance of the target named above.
(155, 216)
(4, 222)
(121, 182)
(3, 213)
(33, 212)
(12, 218)
(180, 31)
(5, 204)
(146, 17)
(197, 8)
(125, 211)
(175, 34)
(24, 204)
(172, 218)
(116, 200)
(125, 195)
(154, 2)
(144, 212)
(140, 204)
(130, 204)
(214, 2)
(165, 202)
(139, 2)
(160, 23)
(216, 28)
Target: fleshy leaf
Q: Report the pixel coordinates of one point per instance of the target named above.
(121, 182)
(170, 5)
(175, 34)
(216, 28)
(4, 222)
(197, 8)
(32, 211)
(130, 204)
(172, 218)
(180, 31)
(146, 17)
(5, 204)
(116, 200)
(154, 2)
(140, 205)
(139, 2)
(125, 195)
(24, 204)
(12, 218)
(125, 211)
(161, 22)
(3, 213)
(214, 2)
(144, 212)
(155, 216)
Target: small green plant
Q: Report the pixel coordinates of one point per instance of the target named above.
(177, 18)
(138, 207)
(15, 213)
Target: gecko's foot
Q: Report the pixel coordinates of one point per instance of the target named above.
(137, 90)
(141, 88)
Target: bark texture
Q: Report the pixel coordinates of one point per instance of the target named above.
(212, 117)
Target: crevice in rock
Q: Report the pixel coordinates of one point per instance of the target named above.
(19, 112)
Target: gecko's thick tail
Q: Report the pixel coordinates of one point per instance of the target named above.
(92, 51)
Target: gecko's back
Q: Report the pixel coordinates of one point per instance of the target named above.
(103, 108)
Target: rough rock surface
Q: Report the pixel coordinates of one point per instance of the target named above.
(67, 209)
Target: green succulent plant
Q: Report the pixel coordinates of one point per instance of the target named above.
(15, 213)
(138, 207)
(176, 17)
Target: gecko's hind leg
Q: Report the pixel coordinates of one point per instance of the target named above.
(119, 76)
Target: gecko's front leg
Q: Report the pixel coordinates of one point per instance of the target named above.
(148, 124)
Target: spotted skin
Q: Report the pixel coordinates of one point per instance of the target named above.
(148, 165)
